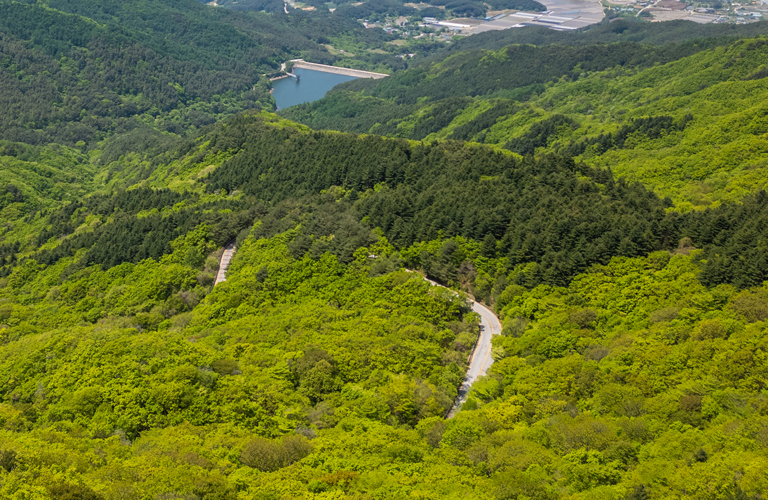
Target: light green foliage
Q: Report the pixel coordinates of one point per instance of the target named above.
(716, 156)
(283, 346)
(322, 369)
(35, 178)
(294, 376)
(629, 372)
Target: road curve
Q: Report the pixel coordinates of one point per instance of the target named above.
(481, 358)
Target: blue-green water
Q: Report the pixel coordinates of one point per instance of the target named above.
(311, 86)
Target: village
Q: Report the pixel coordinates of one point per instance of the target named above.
(567, 15)
(698, 12)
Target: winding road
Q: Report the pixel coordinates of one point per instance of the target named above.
(481, 358)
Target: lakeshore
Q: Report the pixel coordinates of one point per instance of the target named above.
(317, 79)
(309, 85)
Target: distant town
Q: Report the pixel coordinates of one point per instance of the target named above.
(566, 15)
(698, 12)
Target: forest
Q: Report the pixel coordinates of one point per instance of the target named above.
(517, 72)
(74, 75)
(609, 106)
(603, 192)
(321, 368)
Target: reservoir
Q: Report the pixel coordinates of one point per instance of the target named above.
(311, 86)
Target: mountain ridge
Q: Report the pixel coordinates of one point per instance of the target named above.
(705, 85)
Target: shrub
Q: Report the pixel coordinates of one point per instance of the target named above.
(752, 305)
(584, 317)
(665, 314)
(225, 367)
(270, 455)
(73, 492)
(515, 328)
(7, 460)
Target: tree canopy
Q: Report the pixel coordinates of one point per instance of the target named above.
(608, 203)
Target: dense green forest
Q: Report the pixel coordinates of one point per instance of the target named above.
(518, 73)
(321, 368)
(603, 192)
(608, 105)
(74, 74)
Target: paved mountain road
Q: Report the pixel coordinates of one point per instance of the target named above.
(226, 258)
(481, 358)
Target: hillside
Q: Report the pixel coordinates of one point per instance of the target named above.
(602, 191)
(616, 31)
(320, 367)
(606, 107)
(74, 74)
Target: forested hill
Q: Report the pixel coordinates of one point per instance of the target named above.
(516, 71)
(380, 10)
(320, 367)
(626, 43)
(76, 72)
(539, 220)
(604, 104)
